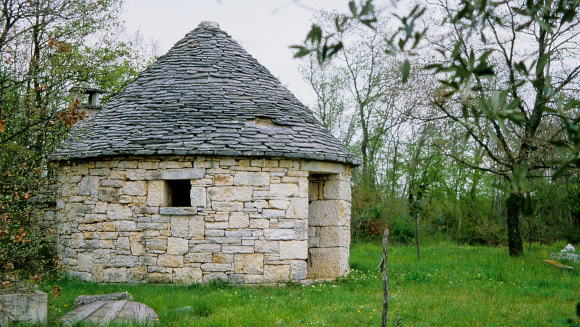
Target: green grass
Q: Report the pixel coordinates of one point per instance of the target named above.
(450, 286)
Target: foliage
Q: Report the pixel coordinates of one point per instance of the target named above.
(451, 285)
(45, 48)
(507, 81)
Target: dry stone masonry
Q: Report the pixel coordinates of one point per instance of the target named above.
(250, 220)
(204, 167)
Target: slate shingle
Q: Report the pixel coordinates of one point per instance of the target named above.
(206, 96)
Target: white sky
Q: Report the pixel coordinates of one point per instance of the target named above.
(265, 28)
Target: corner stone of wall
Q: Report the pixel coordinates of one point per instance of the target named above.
(249, 221)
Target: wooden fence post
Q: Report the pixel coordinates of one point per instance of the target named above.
(385, 277)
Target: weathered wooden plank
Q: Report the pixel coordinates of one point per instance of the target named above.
(113, 312)
(82, 313)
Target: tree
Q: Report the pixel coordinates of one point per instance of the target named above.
(47, 46)
(518, 115)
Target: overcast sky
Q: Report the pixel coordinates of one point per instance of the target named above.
(265, 28)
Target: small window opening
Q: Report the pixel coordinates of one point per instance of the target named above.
(179, 193)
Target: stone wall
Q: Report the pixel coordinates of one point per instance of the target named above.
(249, 221)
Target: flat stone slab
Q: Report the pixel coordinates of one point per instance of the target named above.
(558, 265)
(104, 312)
(28, 308)
(88, 299)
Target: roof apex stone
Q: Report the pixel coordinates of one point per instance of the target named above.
(206, 95)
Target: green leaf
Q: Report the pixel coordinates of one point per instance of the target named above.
(315, 34)
(352, 6)
(406, 70)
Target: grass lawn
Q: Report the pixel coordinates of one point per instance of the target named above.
(450, 286)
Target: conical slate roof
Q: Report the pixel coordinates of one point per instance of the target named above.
(206, 96)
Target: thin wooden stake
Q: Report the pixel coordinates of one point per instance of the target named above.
(385, 277)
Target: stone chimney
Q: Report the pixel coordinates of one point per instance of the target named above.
(89, 99)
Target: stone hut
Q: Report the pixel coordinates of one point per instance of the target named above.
(204, 167)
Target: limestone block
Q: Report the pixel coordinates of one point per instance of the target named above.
(196, 228)
(118, 212)
(334, 236)
(115, 275)
(298, 208)
(76, 241)
(135, 188)
(214, 233)
(221, 216)
(298, 270)
(177, 211)
(286, 223)
(90, 218)
(174, 164)
(126, 261)
(207, 248)
(148, 164)
(198, 257)
(327, 262)
(328, 213)
(179, 227)
(159, 278)
(187, 275)
(85, 262)
(227, 206)
(245, 279)
(177, 246)
(218, 225)
(249, 263)
(290, 250)
(157, 194)
(111, 183)
(99, 171)
(135, 174)
(89, 186)
(273, 213)
(222, 258)
(276, 273)
(279, 234)
(156, 244)
(283, 190)
(322, 167)
(286, 163)
(209, 276)
(262, 246)
(237, 249)
(170, 261)
(117, 174)
(245, 178)
(127, 164)
(228, 162)
(230, 193)
(239, 220)
(123, 243)
(198, 197)
(101, 207)
(238, 233)
(24, 308)
(223, 179)
(303, 187)
(137, 275)
(110, 195)
(337, 190)
(136, 245)
(174, 174)
(125, 226)
(300, 229)
(259, 223)
(279, 204)
(216, 267)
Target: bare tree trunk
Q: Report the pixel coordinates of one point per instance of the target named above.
(513, 224)
(385, 277)
(417, 236)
